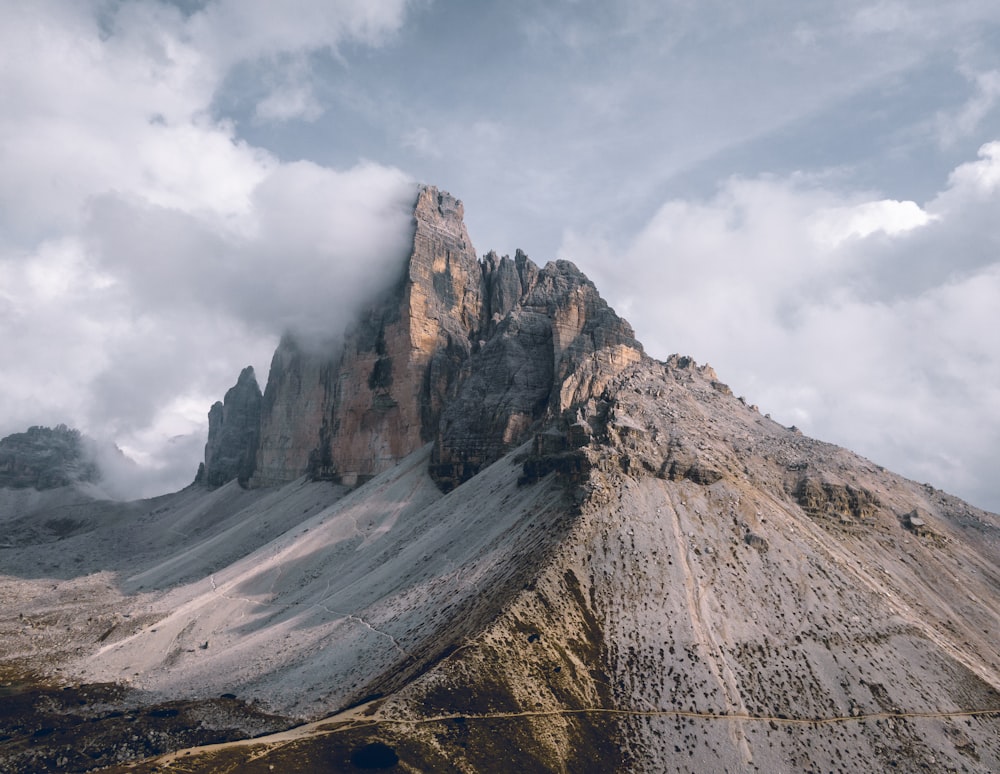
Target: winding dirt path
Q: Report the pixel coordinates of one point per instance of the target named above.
(365, 715)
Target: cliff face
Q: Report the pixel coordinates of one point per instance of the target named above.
(233, 433)
(399, 363)
(553, 343)
(471, 355)
(352, 413)
(294, 407)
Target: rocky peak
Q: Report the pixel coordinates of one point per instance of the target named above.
(473, 355)
(46, 458)
(233, 433)
(443, 271)
(505, 283)
(351, 413)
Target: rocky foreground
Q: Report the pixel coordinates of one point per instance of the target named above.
(486, 532)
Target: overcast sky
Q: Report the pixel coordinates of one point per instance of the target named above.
(805, 195)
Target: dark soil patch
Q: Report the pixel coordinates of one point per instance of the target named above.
(44, 727)
(375, 755)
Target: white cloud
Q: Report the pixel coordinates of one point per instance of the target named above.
(883, 17)
(241, 30)
(289, 102)
(289, 92)
(866, 322)
(832, 226)
(975, 180)
(312, 245)
(423, 141)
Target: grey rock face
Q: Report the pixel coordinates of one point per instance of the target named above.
(292, 412)
(233, 433)
(554, 346)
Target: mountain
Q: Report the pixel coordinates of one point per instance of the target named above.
(46, 458)
(482, 530)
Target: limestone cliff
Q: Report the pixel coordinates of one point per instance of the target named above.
(293, 410)
(352, 413)
(233, 433)
(470, 354)
(555, 344)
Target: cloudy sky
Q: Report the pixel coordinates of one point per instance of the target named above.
(805, 195)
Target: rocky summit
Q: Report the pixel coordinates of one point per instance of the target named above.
(472, 355)
(482, 531)
(353, 412)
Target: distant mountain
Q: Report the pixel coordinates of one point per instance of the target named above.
(486, 532)
(46, 458)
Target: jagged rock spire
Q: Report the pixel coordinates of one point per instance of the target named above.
(233, 433)
(470, 354)
(355, 412)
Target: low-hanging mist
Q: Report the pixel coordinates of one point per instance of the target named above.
(314, 246)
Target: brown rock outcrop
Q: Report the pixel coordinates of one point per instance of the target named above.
(835, 501)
